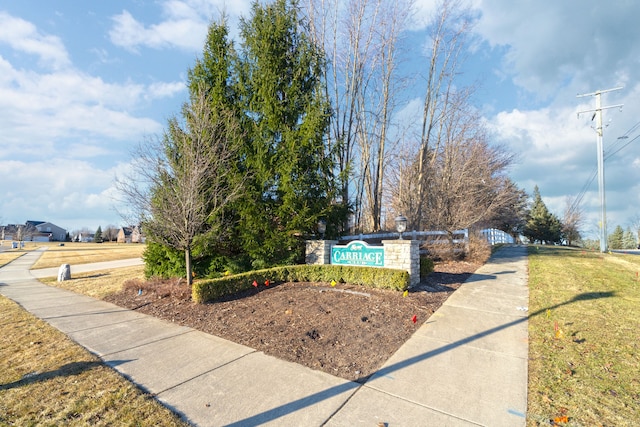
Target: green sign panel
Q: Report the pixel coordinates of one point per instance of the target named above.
(358, 253)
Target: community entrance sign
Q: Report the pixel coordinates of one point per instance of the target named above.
(358, 253)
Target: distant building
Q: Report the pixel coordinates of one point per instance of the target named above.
(84, 237)
(130, 235)
(10, 231)
(50, 231)
(33, 231)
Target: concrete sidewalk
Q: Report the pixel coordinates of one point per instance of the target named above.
(467, 365)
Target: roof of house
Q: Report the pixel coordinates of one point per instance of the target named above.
(32, 223)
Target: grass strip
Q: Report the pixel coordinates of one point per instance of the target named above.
(7, 257)
(98, 284)
(84, 253)
(46, 379)
(584, 366)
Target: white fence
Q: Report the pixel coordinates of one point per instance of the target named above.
(461, 236)
(493, 236)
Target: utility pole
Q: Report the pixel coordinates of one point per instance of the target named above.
(599, 132)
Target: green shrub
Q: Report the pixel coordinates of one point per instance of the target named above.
(426, 266)
(163, 261)
(382, 278)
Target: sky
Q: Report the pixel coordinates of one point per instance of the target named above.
(83, 83)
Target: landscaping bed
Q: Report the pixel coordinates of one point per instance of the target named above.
(345, 330)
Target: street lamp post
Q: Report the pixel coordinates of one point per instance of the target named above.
(322, 228)
(401, 224)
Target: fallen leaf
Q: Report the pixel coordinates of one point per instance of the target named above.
(405, 294)
(414, 319)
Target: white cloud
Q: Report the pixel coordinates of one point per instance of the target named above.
(587, 44)
(70, 191)
(24, 37)
(40, 109)
(557, 152)
(164, 89)
(183, 33)
(184, 24)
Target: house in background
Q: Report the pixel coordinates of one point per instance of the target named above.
(84, 237)
(130, 235)
(52, 232)
(34, 231)
(10, 231)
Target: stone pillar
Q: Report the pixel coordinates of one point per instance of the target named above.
(319, 251)
(64, 273)
(403, 255)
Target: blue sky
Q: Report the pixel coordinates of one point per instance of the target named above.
(81, 83)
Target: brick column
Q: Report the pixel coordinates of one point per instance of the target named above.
(319, 251)
(403, 255)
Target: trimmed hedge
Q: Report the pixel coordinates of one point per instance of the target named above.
(382, 278)
(426, 266)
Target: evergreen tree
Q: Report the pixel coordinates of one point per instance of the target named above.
(616, 238)
(97, 237)
(272, 86)
(542, 226)
(629, 239)
(286, 118)
(214, 72)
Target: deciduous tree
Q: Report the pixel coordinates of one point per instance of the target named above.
(184, 181)
(449, 32)
(572, 220)
(110, 233)
(361, 40)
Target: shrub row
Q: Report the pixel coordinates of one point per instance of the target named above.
(383, 278)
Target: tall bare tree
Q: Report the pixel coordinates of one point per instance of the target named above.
(467, 182)
(449, 32)
(110, 233)
(572, 219)
(183, 182)
(361, 39)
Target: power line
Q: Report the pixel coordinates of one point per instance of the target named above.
(580, 196)
(592, 175)
(618, 150)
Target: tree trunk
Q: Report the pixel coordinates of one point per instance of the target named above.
(187, 258)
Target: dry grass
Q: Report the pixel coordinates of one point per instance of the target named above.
(84, 253)
(583, 331)
(7, 257)
(46, 379)
(98, 284)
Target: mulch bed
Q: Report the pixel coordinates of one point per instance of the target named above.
(347, 331)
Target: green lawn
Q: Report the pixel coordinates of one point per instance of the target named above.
(584, 335)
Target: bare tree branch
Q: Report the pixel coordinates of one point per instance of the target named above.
(182, 183)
